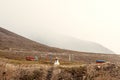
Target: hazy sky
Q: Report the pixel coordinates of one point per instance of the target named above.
(93, 20)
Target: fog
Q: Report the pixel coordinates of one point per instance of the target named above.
(91, 20)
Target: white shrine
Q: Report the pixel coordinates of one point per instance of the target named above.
(56, 63)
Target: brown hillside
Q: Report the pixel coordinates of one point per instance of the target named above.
(11, 40)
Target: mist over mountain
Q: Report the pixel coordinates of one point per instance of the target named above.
(9, 40)
(71, 43)
(47, 41)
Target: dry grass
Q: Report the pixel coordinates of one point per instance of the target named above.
(108, 71)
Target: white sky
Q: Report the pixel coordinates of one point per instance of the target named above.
(93, 20)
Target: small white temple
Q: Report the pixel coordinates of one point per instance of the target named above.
(56, 63)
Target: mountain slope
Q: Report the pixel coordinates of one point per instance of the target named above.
(11, 40)
(67, 42)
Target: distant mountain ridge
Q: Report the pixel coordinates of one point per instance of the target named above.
(59, 43)
(71, 43)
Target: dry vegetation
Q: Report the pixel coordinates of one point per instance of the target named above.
(107, 71)
(82, 58)
(13, 66)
